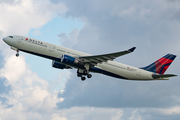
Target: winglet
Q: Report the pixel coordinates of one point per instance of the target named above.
(132, 49)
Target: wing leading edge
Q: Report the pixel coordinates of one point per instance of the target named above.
(93, 60)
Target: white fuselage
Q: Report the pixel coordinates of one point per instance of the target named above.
(54, 52)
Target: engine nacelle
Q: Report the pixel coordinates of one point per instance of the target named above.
(71, 60)
(59, 65)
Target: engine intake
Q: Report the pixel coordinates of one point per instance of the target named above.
(59, 65)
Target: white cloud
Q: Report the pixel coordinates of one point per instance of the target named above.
(135, 115)
(169, 111)
(71, 39)
(30, 96)
(57, 117)
(118, 116)
(28, 14)
(10, 73)
(133, 12)
(18, 18)
(29, 92)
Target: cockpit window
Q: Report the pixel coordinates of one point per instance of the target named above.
(10, 36)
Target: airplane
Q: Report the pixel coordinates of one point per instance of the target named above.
(65, 58)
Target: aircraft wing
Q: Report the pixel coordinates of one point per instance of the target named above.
(93, 60)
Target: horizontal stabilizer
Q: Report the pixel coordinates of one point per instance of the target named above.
(155, 76)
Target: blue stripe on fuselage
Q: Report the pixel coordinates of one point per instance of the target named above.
(98, 70)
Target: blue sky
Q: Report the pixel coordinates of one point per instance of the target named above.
(50, 30)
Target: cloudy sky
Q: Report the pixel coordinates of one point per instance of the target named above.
(31, 89)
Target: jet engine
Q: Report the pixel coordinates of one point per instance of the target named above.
(59, 65)
(71, 60)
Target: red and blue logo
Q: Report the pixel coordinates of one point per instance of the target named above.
(161, 65)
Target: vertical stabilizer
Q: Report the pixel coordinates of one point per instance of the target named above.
(161, 65)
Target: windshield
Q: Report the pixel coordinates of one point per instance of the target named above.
(10, 36)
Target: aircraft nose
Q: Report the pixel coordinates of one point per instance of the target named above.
(4, 39)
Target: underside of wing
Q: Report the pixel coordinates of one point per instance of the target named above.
(93, 60)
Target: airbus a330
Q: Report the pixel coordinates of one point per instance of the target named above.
(65, 58)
